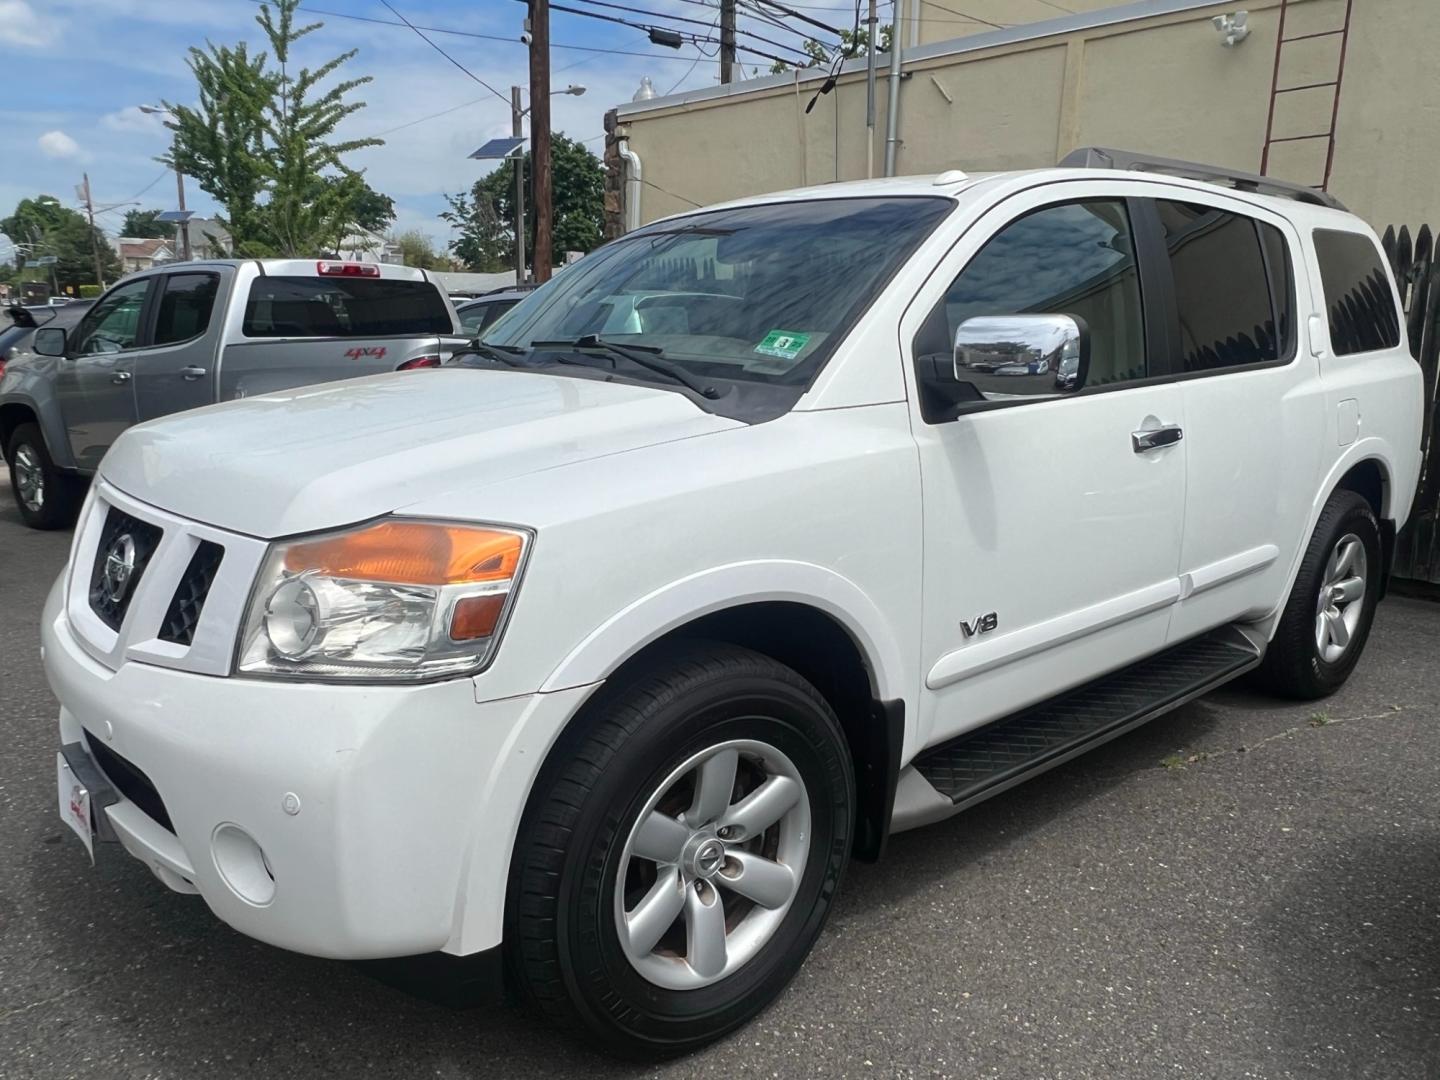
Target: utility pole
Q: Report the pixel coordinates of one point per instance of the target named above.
(543, 257)
(727, 40)
(516, 118)
(870, 92)
(184, 227)
(94, 236)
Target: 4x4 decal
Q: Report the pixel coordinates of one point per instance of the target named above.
(377, 351)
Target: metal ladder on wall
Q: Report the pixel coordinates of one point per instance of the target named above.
(1343, 33)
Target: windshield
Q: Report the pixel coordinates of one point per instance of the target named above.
(757, 294)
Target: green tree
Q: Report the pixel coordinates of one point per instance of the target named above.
(418, 249)
(485, 215)
(142, 224)
(852, 44)
(41, 227)
(261, 141)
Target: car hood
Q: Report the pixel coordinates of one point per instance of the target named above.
(323, 456)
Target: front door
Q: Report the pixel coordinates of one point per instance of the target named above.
(177, 369)
(1052, 534)
(95, 381)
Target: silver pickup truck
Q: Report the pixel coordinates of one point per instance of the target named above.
(191, 334)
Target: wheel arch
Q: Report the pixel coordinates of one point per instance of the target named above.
(817, 623)
(15, 411)
(1368, 468)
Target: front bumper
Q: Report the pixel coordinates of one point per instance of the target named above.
(385, 815)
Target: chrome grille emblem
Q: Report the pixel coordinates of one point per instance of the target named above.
(119, 567)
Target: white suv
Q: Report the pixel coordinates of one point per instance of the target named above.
(762, 533)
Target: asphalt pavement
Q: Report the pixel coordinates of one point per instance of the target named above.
(1244, 888)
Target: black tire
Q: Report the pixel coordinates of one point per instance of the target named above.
(60, 494)
(1294, 666)
(563, 949)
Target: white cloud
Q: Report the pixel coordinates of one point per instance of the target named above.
(56, 144)
(19, 25)
(132, 119)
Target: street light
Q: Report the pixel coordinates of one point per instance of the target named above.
(182, 230)
(512, 148)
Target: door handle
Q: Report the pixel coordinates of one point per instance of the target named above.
(119, 378)
(1155, 438)
(192, 373)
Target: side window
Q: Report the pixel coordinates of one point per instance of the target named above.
(1073, 259)
(113, 324)
(1358, 296)
(185, 307)
(1222, 290)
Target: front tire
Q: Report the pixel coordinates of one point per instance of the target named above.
(47, 497)
(680, 852)
(1326, 621)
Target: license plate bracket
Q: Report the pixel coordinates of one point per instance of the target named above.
(77, 808)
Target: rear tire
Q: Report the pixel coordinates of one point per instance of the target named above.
(1326, 621)
(735, 908)
(47, 497)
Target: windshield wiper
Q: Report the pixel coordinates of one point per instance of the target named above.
(646, 356)
(506, 354)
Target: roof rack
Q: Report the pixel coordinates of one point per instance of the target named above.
(1100, 157)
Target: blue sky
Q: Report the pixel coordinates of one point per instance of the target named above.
(76, 70)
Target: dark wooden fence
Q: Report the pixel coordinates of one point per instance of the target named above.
(1417, 272)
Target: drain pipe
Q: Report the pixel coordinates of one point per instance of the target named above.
(892, 110)
(634, 174)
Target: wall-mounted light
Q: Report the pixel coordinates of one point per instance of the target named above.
(1232, 28)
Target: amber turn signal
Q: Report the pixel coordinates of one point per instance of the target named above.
(412, 553)
(476, 617)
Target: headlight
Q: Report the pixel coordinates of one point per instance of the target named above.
(389, 600)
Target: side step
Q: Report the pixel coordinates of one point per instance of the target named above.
(985, 762)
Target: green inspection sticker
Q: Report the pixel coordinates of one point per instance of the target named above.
(786, 344)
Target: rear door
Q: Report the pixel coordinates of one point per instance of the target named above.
(177, 370)
(95, 380)
(301, 328)
(1253, 403)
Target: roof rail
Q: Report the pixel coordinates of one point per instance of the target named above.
(1100, 157)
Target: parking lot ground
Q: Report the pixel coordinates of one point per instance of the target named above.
(1243, 888)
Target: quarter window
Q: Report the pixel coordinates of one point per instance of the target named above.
(185, 307)
(1222, 289)
(1074, 259)
(114, 323)
(1358, 296)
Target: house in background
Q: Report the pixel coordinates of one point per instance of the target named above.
(139, 254)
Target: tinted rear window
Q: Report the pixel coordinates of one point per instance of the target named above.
(1358, 297)
(1222, 290)
(343, 307)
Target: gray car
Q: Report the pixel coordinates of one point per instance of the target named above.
(191, 334)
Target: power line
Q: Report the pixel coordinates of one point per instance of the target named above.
(483, 37)
(503, 97)
(692, 38)
(432, 116)
(687, 19)
(966, 15)
(791, 11)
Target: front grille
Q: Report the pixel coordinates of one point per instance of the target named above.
(131, 542)
(129, 781)
(189, 599)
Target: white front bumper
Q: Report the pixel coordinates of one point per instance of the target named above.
(408, 797)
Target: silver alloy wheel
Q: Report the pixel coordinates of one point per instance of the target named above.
(1342, 598)
(30, 478)
(706, 878)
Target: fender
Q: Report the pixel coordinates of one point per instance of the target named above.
(28, 388)
(1371, 448)
(680, 602)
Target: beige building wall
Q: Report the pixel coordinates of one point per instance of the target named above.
(1161, 83)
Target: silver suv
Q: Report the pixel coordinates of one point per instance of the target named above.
(192, 334)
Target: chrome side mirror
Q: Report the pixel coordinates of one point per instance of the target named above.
(1006, 356)
(49, 341)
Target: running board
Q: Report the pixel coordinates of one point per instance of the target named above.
(948, 778)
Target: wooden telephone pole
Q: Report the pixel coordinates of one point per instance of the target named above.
(94, 235)
(542, 258)
(727, 41)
